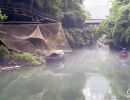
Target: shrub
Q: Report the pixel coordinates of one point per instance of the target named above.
(25, 56)
(4, 54)
(2, 16)
(4, 51)
(75, 37)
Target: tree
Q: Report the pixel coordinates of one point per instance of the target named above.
(116, 26)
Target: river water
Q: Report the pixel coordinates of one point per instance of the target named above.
(84, 75)
(96, 88)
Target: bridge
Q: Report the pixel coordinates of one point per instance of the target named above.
(35, 14)
(91, 26)
(93, 22)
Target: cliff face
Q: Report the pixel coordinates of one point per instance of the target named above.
(32, 38)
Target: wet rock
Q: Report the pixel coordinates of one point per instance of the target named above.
(54, 60)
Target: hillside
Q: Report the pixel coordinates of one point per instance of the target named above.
(116, 28)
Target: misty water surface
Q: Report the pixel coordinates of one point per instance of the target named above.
(88, 74)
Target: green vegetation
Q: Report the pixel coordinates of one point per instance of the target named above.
(25, 56)
(2, 16)
(72, 15)
(117, 26)
(75, 37)
(12, 57)
(79, 37)
(61, 8)
(4, 53)
(70, 12)
(73, 22)
(22, 58)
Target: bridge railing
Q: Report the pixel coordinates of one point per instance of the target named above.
(29, 9)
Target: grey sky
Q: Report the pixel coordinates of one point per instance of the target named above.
(98, 8)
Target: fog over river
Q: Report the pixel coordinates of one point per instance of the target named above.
(87, 74)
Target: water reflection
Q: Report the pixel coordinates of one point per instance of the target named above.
(85, 76)
(97, 88)
(31, 85)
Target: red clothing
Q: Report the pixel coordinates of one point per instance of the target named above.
(123, 54)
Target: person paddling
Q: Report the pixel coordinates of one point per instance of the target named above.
(123, 53)
(123, 57)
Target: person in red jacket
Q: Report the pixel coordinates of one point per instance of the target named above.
(123, 53)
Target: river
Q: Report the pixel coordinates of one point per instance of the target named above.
(84, 75)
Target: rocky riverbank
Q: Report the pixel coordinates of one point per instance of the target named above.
(10, 60)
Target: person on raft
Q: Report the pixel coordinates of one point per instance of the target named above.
(123, 53)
